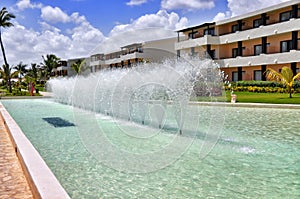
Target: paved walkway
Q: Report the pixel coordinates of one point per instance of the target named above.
(13, 184)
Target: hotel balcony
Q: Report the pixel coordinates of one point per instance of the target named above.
(133, 55)
(113, 61)
(189, 43)
(262, 31)
(262, 59)
(254, 33)
(97, 63)
(125, 57)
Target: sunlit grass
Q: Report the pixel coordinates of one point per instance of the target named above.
(252, 97)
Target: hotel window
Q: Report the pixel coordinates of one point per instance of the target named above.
(285, 46)
(209, 31)
(285, 16)
(235, 76)
(257, 23)
(257, 49)
(213, 54)
(257, 75)
(192, 35)
(234, 28)
(234, 52)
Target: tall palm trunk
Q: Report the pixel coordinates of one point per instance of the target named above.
(6, 64)
(2, 48)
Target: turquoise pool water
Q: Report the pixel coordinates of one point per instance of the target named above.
(257, 154)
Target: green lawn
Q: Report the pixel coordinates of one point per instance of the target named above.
(275, 98)
(251, 97)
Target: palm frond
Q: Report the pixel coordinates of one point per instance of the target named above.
(15, 74)
(5, 18)
(273, 75)
(297, 76)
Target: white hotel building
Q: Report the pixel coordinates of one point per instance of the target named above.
(130, 55)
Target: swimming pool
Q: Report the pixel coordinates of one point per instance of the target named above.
(257, 154)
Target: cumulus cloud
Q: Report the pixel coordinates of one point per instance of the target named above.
(79, 40)
(161, 19)
(146, 28)
(54, 15)
(85, 38)
(221, 15)
(75, 17)
(239, 7)
(28, 45)
(187, 4)
(136, 2)
(23, 4)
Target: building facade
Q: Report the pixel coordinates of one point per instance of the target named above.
(132, 54)
(61, 69)
(245, 46)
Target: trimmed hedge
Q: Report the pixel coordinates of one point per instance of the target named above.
(261, 87)
(263, 84)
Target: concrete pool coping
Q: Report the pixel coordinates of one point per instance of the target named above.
(41, 180)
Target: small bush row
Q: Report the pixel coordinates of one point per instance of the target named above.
(263, 84)
(260, 87)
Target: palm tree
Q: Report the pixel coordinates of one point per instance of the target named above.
(33, 73)
(49, 63)
(286, 77)
(21, 69)
(5, 18)
(6, 74)
(78, 66)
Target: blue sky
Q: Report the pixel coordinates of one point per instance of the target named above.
(73, 28)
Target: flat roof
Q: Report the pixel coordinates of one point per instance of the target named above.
(258, 12)
(247, 15)
(131, 45)
(198, 26)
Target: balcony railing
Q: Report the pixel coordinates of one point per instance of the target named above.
(262, 59)
(262, 31)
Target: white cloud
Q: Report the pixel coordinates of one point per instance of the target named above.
(54, 15)
(45, 26)
(220, 16)
(28, 45)
(239, 7)
(84, 39)
(75, 17)
(79, 40)
(162, 19)
(145, 28)
(187, 4)
(136, 2)
(23, 4)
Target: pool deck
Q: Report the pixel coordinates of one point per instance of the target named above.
(12, 178)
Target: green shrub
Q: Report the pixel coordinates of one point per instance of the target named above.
(260, 87)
